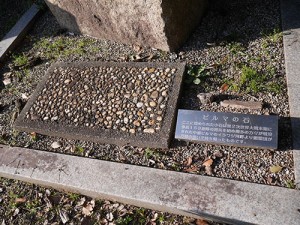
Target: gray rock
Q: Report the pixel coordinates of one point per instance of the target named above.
(163, 24)
(205, 98)
(242, 104)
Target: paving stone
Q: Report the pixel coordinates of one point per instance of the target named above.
(291, 39)
(107, 103)
(192, 195)
(16, 34)
(163, 24)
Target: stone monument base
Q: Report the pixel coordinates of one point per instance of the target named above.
(162, 24)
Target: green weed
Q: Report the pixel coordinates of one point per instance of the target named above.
(290, 184)
(271, 38)
(124, 220)
(196, 74)
(32, 206)
(251, 80)
(64, 47)
(73, 196)
(79, 149)
(236, 47)
(151, 154)
(20, 60)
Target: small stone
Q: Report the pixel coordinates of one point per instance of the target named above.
(154, 94)
(160, 100)
(162, 106)
(132, 131)
(159, 118)
(54, 118)
(152, 104)
(55, 145)
(164, 93)
(126, 120)
(144, 98)
(151, 122)
(139, 113)
(206, 98)
(137, 123)
(7, 81)
(149, 130)
(109, 216)
(111, 95)
(119, 112)
(45, 118)
(108, 118)
(139, 104)
(67, 81)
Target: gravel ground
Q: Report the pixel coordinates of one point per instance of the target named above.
(236, 53)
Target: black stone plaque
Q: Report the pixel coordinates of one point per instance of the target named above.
(227, 128)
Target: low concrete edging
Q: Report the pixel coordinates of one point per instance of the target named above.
(180, 193)
(16, 34)
(291, 40)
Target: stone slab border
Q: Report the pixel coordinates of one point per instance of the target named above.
(291, 40)
(217, 199)
(16, 34)
(160, 139)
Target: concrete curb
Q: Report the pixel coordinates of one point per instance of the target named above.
(186, 194)
(291, 39)
(16, 34)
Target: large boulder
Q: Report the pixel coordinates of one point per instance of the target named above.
(162, 24)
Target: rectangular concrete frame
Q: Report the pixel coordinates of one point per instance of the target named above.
(16, 34)
(290, 11)
(217, 199)
(160, 139)
(163, 24)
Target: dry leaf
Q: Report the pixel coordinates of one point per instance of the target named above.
(201, 222)
(63, 216)
(275, 169)
(137, 48)
(20, 200)
(191, 169)
(224, 88)
(208, 163)
(24, 97)
(33, 136)
(208, 170)
(271, 180)
(188, 162)
(151, 70)
(124, 58)
(88, 209)
(151, 56)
